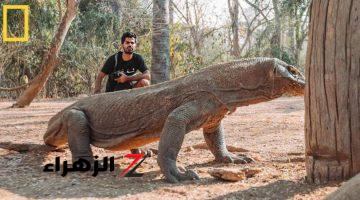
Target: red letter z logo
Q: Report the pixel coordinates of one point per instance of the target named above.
(132, 173)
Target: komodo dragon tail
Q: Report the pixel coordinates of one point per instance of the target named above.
(56, 133)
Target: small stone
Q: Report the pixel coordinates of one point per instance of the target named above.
(228, 174)
(236, 149)
(250, 172)
(189, 148)
(274, 176)
(74, 182)
(200, 146)
(256, 158)
(233, 174)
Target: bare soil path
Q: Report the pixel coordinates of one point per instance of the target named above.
(272, 132)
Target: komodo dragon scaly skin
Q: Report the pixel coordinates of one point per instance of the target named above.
(131, 118)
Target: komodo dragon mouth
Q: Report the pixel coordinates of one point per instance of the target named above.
(296, 87)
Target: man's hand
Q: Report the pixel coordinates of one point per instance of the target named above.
(122, 79)
(136, 77)
(98, 81)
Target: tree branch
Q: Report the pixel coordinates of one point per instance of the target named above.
(15, 88)
(257, 8)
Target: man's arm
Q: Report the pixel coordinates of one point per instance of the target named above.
(123, 78)
(98, 81)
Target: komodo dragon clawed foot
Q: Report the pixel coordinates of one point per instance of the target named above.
(215, 140)
(173, 174)
(237, 159)
(177, 123)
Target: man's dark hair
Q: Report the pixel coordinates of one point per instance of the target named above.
(127, 35)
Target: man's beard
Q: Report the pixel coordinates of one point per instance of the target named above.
(128, 51)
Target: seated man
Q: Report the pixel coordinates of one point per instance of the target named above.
(121, 68)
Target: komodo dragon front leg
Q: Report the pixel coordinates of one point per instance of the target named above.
(78, 134)
(180, 121)
(214, 138)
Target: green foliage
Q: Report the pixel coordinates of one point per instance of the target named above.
(182, 62)
(293, 17)
(97, 29)
(43, 20)
(97, 26)
(183, 58)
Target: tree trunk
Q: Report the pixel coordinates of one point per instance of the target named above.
(234, 16)
(160, 64)
(292, 18)
(50, 58)
(276, 38)
(171, 12)
(332, 102)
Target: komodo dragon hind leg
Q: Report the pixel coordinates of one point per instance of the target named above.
(78, 135)
(177, 124)
(215, 141)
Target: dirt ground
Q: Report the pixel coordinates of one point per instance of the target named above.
(272, 133)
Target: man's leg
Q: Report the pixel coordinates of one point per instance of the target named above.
(142, 83)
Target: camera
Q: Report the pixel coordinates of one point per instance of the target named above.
(115, 75)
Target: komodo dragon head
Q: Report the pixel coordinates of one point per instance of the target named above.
(288, 77)
(268, 78)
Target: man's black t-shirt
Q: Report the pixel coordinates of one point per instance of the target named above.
(127, 67)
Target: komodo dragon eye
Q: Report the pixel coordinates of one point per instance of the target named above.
(294, 71)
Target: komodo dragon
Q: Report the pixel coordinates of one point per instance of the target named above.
(129, 119)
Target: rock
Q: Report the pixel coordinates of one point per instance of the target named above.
(188, 149)
(236, 149)
(233, 174)
(200, 146)
(4, 152)
(250, 172)
(256, 157)
(202, 171)
(228, 174)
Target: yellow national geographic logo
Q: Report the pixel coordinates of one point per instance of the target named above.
(25, 9)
